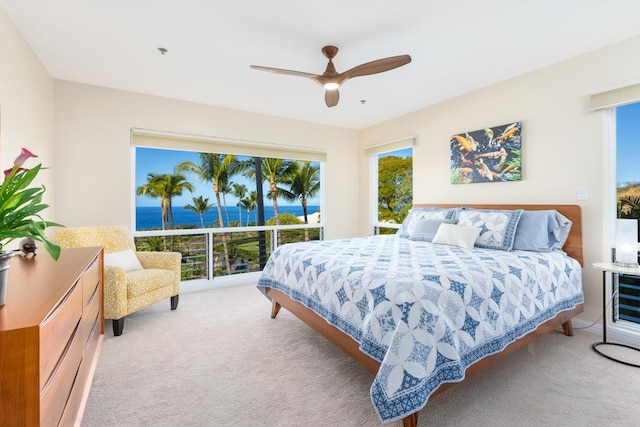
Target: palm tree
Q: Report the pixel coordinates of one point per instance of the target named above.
(275, 172)
(249, 203)
(225, 188)
(165, 187)
(214, 168)
(304, 184)
(153, 189)
(200, 206)
(239, 190)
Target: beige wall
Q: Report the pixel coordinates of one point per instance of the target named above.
(91, 177)
(563, 145)
(92, 137)
(26, 107)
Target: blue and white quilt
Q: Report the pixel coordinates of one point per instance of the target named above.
(425, 311)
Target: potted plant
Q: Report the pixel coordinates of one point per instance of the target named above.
(20, 208)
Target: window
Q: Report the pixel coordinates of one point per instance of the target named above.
(392, 188)
(192, 197)
(627, 159)
(622, 117)
(627, 305)
(185, 189)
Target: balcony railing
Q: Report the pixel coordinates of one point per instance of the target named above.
(214, 252)
(385, 228)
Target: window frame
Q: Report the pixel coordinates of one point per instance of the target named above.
(374, 155)
(197, 143)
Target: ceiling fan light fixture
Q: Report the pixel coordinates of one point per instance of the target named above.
(331, 80)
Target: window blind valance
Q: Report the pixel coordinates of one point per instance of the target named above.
(615, 97)
(390, 146)
(203, 144)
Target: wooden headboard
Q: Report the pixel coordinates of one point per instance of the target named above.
(573, 245)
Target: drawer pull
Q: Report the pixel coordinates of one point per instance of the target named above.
(94, 326)
(93, 294)
(60, 304)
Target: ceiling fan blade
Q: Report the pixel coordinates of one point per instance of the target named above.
(331, 97)
(331, 80)
(283, 71)
(375, 67)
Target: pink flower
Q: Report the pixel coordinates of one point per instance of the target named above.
(8, 171)
(22, 157)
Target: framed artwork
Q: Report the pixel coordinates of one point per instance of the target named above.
(487, 155)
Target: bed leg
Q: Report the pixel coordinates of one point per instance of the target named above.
(410, 420)
(275, 308)
(567, 327)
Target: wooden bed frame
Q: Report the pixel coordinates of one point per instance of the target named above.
(573, 247)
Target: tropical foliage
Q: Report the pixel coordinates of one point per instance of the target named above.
(287, 180)
(629, 200)
(20, 206)
(165, 187)
(395, 188)
(200, 206)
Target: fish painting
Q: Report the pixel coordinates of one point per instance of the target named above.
(487, 155)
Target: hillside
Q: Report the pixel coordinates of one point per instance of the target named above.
(630, 191)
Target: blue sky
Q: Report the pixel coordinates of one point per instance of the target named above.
(160, 161)
(405, 152)
(628, 143)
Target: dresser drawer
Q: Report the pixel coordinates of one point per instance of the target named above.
(80, 391)
(90, 280)
(91, 311)
(55, 394)
(56, 330)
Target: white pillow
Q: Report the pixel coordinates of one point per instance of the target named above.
(123, 259)
(457, 235)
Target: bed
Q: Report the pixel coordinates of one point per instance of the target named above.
(422, 310)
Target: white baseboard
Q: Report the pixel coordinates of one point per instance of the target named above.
(620, 331)
(219, 282)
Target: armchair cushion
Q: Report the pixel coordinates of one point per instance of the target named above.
(141, 282)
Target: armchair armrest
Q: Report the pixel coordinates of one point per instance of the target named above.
(115, 292)
(162, 260)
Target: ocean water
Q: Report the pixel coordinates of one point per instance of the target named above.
(149, 217)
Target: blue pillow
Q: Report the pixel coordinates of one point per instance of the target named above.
(416, 214)
(542, 231)
(426, 229)
(498, 227)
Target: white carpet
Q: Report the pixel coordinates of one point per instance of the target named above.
(220, 360)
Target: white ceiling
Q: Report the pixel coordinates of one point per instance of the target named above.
(457, 46)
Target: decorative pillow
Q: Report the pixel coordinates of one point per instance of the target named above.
(498, 227)
(426, 229)
(415, 214)
(123, 259)
(561, 232)
(541, 231)
(456, 235)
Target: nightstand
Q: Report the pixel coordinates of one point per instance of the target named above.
(609, 267)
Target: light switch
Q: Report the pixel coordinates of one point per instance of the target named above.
(582, 193)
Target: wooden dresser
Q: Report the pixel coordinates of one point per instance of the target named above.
(51, 331)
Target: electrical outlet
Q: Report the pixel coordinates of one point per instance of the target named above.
(582, 193)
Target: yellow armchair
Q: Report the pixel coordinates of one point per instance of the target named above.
(132, 280)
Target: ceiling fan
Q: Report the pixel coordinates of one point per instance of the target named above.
(331, 80)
